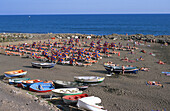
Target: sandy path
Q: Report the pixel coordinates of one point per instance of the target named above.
(15, 99)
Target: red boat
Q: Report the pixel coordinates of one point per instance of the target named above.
(72, 99)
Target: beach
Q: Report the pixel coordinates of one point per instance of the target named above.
(127, 92)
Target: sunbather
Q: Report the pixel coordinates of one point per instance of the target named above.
(143, 51)
(144, 69)
(141, 58)
(160, 62)
(125, 59)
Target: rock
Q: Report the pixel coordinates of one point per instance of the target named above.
(116, 105)
(13, 91)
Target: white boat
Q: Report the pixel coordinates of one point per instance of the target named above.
(17, 80)
(67, 91)
(89, 79)
(43, 65)
(69, 84)
(90, 103)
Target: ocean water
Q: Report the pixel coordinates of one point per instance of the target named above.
(156, 24)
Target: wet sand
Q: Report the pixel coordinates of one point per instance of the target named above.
(118, 93)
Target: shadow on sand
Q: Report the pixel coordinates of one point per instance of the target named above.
(99, 71)
(28, 66)
(2, 77)
(167, 82)
(57, 100)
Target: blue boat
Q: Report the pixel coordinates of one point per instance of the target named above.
(166, 72)
(43, 65)
(41, 87)
(118, 69)
(27, 83)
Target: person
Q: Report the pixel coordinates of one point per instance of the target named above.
(132, 51)
(160, 62)
(123, 69)
(143, 51)
(166, 44)
(126, 58)
(144, 69)
(141, 58)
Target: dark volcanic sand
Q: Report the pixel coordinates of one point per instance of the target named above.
(123, 92)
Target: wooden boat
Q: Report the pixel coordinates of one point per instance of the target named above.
(69, 84)
(89, 79)
(27, 83)
(15, 73)
(154, 83)
(17, 80)
(41, 87)
(90, 103)
(67, 91)
(43, 65)
(118, 69)
(72, 99)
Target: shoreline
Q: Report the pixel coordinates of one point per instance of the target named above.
(7, 37)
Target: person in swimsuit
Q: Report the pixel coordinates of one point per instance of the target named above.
(123, 69)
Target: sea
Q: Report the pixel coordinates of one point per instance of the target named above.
(98, 24)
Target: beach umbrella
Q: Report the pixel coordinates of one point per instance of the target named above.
(64, 47)
(105, 44)
(98, 42)
(113, 44)
(71, 41)
(77, 40)
(92, 44)
(33, 53)
(60, 59)
(98, 47)
(96, 54)
(105, 49)
(88, 53)
(54, 49)
(55, 43)
(64, 54)
(53, 58)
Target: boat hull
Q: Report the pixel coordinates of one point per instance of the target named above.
(17, 80)
(41, 87)
(43, 65)
(73, 99)
(65, 84)
(16, 75)
(89, 79)
(67, 91)
(114, 70)
(84, 105)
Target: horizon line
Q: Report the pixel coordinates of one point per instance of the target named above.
(88, 13)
